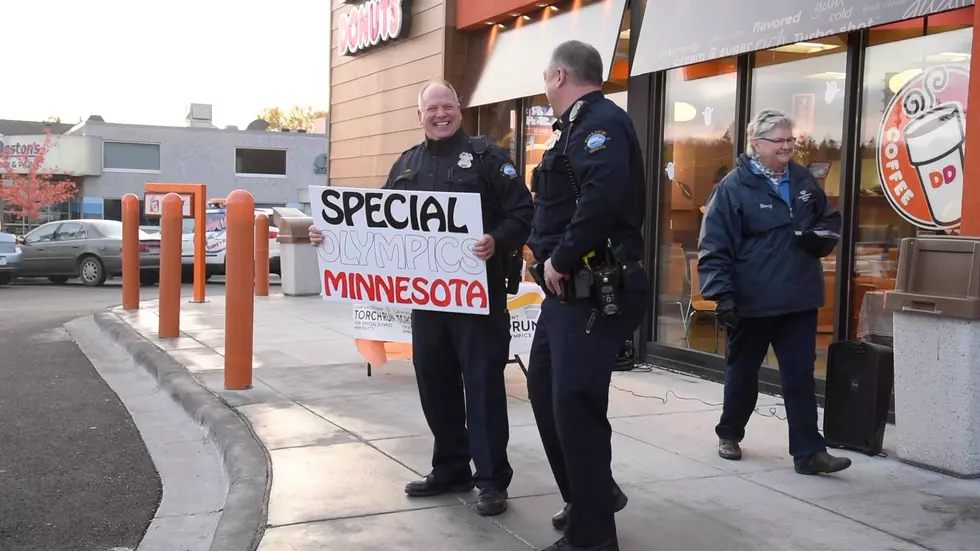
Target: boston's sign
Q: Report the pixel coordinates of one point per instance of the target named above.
(372, 23)
(680, 33)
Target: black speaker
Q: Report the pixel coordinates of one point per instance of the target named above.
(860, 376)
(626, 358)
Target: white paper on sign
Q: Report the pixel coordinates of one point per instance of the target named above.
(402, 249)
(381, 323)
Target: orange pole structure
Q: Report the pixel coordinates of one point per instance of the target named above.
(970, 211)
(239, 284)
(131, 252)
(261, 255)
(200, 243)
(170, 238)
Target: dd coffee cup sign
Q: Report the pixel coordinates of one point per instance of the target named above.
(405, 249)
(920, 148)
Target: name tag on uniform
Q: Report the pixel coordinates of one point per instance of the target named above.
(553, 139)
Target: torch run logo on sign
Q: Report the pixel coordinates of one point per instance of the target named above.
(920, 147)
(373, 22)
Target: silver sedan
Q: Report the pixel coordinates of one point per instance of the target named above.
(90, 250)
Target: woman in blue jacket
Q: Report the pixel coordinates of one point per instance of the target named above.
(759, 259)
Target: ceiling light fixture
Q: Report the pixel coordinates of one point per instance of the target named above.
(553, 8)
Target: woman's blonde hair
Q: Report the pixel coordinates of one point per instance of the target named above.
(762, 124)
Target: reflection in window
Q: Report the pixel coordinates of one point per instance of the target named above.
(498, 122)
(698, 151)
(911, 162)
(807, 80)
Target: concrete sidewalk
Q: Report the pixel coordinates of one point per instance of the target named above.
(343, 445)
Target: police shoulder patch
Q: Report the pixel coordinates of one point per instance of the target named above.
(596, 141)
(508, 170)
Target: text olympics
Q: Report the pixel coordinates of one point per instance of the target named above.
(372, 23)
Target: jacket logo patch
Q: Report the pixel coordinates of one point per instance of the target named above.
(596, 141)
(509, 170)
(465, 159)
(765, 206)
(805, 196)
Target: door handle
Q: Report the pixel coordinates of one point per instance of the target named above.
(76, 246)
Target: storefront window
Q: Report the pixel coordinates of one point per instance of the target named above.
(807, 81)
(912, 131)
(498, 122)
(698, 151)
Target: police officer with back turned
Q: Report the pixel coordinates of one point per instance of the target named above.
(588, 246)
(453, 351)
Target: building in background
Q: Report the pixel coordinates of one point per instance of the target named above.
(108, 160)
(877, 93)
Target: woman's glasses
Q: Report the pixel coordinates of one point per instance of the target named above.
(780, 141)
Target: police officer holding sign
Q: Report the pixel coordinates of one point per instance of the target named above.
(587, 242)
(453, 351)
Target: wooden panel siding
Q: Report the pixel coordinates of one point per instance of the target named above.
(373, 96)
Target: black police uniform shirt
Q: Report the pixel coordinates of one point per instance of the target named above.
(604, 155)
(452, 165)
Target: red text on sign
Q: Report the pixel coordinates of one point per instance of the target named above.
(404, 290)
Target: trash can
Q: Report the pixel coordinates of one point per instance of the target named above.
(936, 309)
(300, 270)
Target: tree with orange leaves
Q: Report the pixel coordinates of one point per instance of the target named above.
(28, 187)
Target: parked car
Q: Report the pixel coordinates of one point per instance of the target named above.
(10, 255)
(87, 249)
(215, 244)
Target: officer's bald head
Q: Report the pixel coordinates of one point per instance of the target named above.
(436, 85)
(574, 71)
(439, 113)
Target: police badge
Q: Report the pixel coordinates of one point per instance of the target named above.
(555, 136)
(465, 160)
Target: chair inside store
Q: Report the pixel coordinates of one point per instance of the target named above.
(699, 305)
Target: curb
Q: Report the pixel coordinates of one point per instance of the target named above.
(244, 459)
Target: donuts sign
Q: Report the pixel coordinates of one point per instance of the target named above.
(920, 148)
(371, 23)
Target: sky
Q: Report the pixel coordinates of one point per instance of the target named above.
(139, 62)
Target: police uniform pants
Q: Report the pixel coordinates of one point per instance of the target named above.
(451, 352)
(794, 340)
(568, 384)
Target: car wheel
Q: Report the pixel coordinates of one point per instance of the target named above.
(149, 278)
(6, 278)
(58, 280)
(91, 271)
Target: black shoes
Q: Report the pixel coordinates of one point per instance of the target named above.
(818, 463)
(491, 502)
(823, 463)
(729, 449)
(562, 545)
(429, 486)
(560, 520)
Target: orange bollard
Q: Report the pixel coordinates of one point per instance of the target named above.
(170, 241)
(239, 284)
(261, 255)
(131, 252)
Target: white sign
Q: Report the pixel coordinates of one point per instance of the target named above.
(379, 323)
(153, 204)
(372, 23)
(407, 249)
